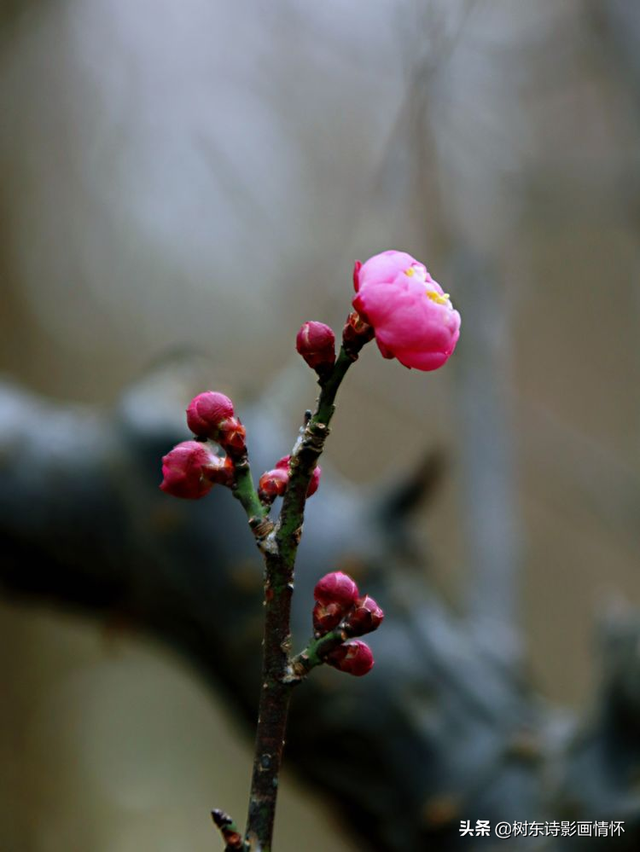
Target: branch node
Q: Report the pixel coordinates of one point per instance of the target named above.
(261, 527)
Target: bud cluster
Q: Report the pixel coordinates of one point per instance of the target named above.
(340, 605)
(192, 468)
(273, 483)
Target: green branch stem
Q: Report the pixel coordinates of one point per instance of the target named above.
(279, 545)
(244, 490)
(315, 654)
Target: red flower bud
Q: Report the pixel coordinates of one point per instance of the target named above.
(207, 411)
(231, 436)
(191, 469)
(365, 617)
(272, 484)
(353, 657)
(336, 587)
(283, 464)
(326, 617)
(316, 342)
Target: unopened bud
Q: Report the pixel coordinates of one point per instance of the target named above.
(326, 617)
(231, 436)
(272, 484)
(314, 482)
(207, 411)
(316, 342)
(191, 469)
(353, 657)
(338, 588)
(365, 617)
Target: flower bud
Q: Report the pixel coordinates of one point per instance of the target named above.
(231, 436)
(316, 343)
(191, 469)
(338, 588)
(353, 657)
(365, 617)
(272, 484)
(207, 411)
(326, 617)
(314, 482)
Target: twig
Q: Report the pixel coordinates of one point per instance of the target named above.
(244, 490)
(314, 654)
(229, 831)
(280, 553)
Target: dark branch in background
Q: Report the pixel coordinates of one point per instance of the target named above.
(440, 731)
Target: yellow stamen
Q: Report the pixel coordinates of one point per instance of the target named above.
(438, 298)
(410, 271)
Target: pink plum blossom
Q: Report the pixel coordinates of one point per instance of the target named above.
(413, 318)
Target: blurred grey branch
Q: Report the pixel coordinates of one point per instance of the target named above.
(488, 466)
(442, 730)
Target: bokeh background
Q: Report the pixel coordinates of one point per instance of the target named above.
(202, 175)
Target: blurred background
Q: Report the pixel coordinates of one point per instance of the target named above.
(203, 175)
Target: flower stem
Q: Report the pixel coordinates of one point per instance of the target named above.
(280, 553)
(244, 490)
(314, 654)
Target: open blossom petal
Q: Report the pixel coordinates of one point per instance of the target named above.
(413, 318)
(385, 267)
(421, 360)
